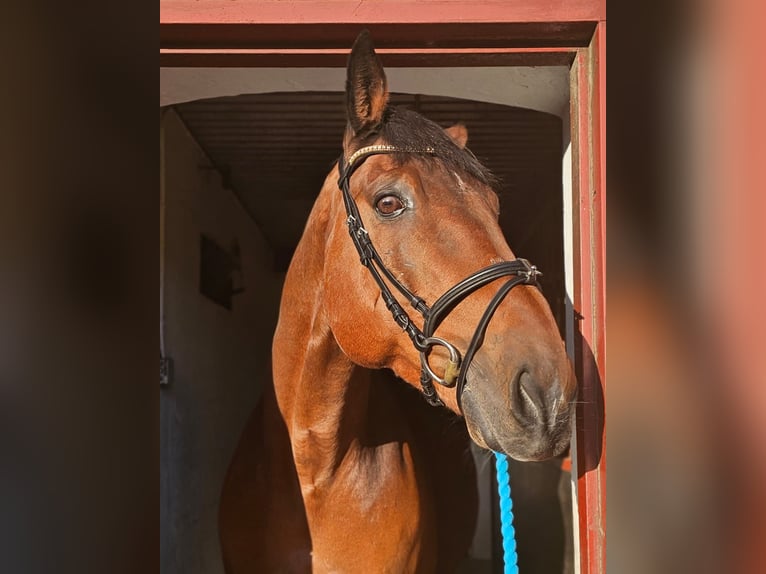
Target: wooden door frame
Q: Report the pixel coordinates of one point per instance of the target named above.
(445, 33)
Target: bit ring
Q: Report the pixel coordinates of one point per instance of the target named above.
(453, 365)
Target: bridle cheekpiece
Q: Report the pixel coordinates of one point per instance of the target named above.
(520, 271)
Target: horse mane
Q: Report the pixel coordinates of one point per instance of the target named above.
(407, 129)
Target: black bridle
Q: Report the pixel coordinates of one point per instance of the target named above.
(521, 271)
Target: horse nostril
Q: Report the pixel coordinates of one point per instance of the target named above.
(527, 401)
(531, 393)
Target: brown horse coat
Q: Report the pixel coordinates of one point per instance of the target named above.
(342, 467)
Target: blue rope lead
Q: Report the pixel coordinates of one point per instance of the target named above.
(506, 515)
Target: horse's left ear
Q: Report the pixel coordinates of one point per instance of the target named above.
(366, 90)
(459, 134)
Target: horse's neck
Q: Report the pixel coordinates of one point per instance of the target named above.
(321, 394)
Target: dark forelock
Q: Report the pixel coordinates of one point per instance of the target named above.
(407, 129)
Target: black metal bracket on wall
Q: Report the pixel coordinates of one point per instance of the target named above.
(166, 371)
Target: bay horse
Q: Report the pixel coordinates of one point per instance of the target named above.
(343, 467)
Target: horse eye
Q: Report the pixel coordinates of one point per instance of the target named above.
(389, 205)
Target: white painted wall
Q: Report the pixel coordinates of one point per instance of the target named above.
(544, 89)
(221, 357)
(569, 275)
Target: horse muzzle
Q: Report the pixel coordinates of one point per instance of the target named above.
(527, 419)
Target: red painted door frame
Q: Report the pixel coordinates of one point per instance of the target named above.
(588, 130)
(284, 33)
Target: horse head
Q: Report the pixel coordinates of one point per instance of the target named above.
(428, 207)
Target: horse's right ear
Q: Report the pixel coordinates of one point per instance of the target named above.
(366, 90)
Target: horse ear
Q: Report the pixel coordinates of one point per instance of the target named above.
(366, 90)
(459, 134)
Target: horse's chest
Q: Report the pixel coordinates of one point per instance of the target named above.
(377, 511)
